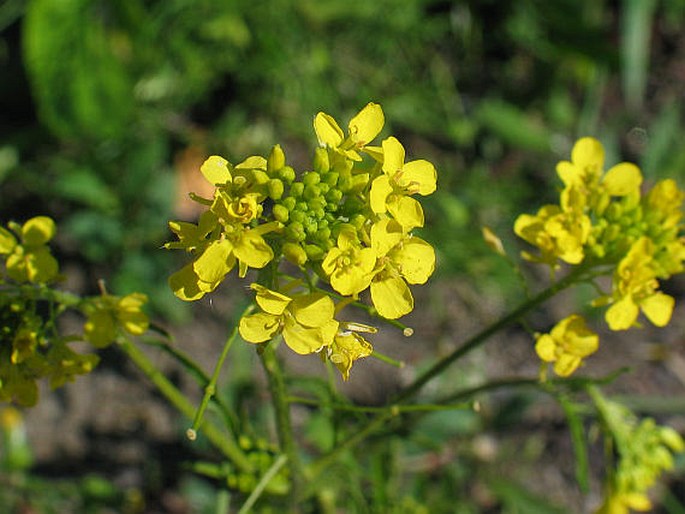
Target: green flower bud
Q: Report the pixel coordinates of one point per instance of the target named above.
(302, 206)
(289, 203)
(281, 213)
(298, 216)
(296, 189)
(295, 253)
(358, 221)
(321, 162)
(330, 178)
(260, 177)
(311, 178)
(314, 252)
(287, 174)
(311, 192)
(323, 234)
(334, 196)
(295, 232)
(276, 189)
(276, 160)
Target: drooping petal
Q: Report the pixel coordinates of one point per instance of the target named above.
(346, 349)
(391, 296)
(185, 284)
(253, 250)
(215, 262)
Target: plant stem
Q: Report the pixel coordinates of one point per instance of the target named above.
(220, 440)
(279, 399)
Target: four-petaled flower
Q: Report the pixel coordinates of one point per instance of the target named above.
(349, 266)
(569, 342)
(363, 128)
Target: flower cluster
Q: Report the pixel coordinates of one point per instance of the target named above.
(31, 347)
(348, 222)
(604, 221)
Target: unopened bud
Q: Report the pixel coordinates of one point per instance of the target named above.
(294, 253)
(321, 162)
(276, 189)
(276, 160)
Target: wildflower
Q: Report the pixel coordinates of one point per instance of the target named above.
(28, 257)
(108, 314)
(569, 342)
(306, 320)
(391, 192)
(347, 347)
(635, 289)
(363, 128)
(402, 260)
(348, 266)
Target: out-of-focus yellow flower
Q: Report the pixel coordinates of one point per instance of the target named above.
(306, 321)
(108, 314)
(569, 342)
(29, 258)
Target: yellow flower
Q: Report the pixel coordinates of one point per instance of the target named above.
(623, 502)
(348, 346)
(558, 234)
(569, 342)
(391, 192)
(247, 247)
(402, 259)
(306, 320)
(586, 168)
(30, 260)
(348, 265)
(363, 128)
(635, 288)
(108, 314)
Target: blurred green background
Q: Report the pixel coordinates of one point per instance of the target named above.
(107, 108)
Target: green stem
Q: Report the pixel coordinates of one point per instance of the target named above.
(474, 342)
(279, 399)
(210, 389)
(480, 338)
(220, 440)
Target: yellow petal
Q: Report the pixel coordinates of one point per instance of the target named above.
(327, 130)
(305, 340)
(215, 262)
(566, 364)
(546, 348)
(313, 310)
(215, 170)
(391, 296)
(8, 241)
(184, 284)
(419, 176)
(253, 250)
(366, 125)
(380, 190)
(622, 314)
(416, 260)
(38, 231)
(100, 328)
(393, 156)
(588, 153)
(658, 308)
(270, 301)
(622, 179)
(407, 211)
(385, 235)
(259, 327)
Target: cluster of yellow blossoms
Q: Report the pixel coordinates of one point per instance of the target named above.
(604, 221)
(30, 346)
(347, 222)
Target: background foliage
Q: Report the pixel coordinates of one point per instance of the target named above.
(107, 108)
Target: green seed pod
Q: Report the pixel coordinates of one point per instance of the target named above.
(276, 160)
(287, 174)
(294, 253)
(281, 213)
(321, 162)
(276, 189)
